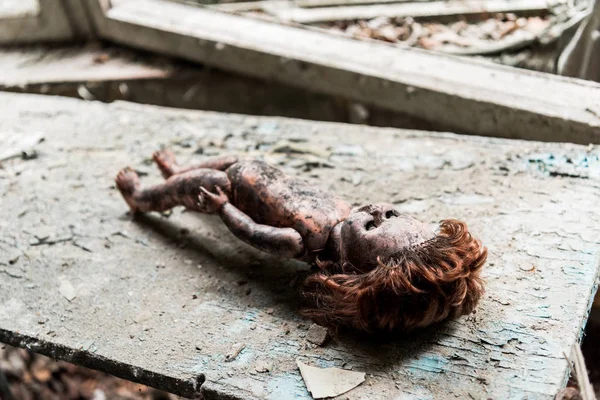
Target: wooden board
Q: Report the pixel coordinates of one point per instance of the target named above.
(453, 94)
(259, 5)
(39, 65)
(32, 22)
(163, 300)
(18, 8)
(414, 10)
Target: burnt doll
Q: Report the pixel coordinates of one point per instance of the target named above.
(379, 270)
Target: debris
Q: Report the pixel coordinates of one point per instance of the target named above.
(87, 345)
(67, 290)
(82, 246)
(267, 128)
(359, 114)
(317, 334)
(40, 371)
(329, 382)
(143, 316)
(348, 150)
(101, 58)
(10, 255)
(428, 9)
(11, 274)
(295, 148)
(15, 145)
(33, 376)
(124, 234)
(236, 349)
(568, 393)
(577, 362)
(263, 366)
(527, 268)
(46, 242)
(43, 233)
(501, 33)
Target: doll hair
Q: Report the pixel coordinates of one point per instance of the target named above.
(415, 287)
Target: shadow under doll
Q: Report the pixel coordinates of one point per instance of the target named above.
(276, 284)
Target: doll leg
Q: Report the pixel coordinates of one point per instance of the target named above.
(165, 160)
(181, 189)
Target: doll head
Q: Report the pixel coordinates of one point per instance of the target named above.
(379, 231)
(396, 274)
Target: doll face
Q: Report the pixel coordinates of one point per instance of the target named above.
(378, 230)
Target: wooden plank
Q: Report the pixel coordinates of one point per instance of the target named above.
(40, 65)
(18, 8)
(415, 10)
(450, 93)
(42, 21)
(163, 300)
(260, 5)
(50, 23)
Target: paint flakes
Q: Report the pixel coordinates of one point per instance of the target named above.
(317, 334)
(263, 366)
(329, 382)
(67, 290)
(235, 351)
(143, 316)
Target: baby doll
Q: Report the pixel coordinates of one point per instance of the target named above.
(380, 270)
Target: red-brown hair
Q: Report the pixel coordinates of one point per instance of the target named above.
(414, 288)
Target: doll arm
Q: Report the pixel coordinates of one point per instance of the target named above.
(284, 242)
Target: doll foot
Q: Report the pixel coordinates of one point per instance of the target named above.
(128, 183)
(165, 161)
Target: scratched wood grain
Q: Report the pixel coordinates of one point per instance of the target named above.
(163, 299)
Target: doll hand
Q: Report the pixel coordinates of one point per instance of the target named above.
(212, 203)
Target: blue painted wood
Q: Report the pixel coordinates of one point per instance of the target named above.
(164, 300)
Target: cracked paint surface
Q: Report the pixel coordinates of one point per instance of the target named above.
(163, 299)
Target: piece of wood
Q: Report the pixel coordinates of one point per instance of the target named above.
(18, 8)
(39, 65)
(450, 93)
(41, 21)
(259, 5)
(124, 74)
(580, 57)
(580, 371)
(161, 297)
(48, 22)
(414, 10)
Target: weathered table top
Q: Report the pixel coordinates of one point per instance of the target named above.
(162, 300)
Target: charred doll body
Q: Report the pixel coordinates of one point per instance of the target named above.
(380, 270)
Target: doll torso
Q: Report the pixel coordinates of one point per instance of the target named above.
(270, 197)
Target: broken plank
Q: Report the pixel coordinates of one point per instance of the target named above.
(259, 5)
(42, 20)
(160, 297)
(39, 65)
(18, 8)
(451, 93)
(414, 10)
